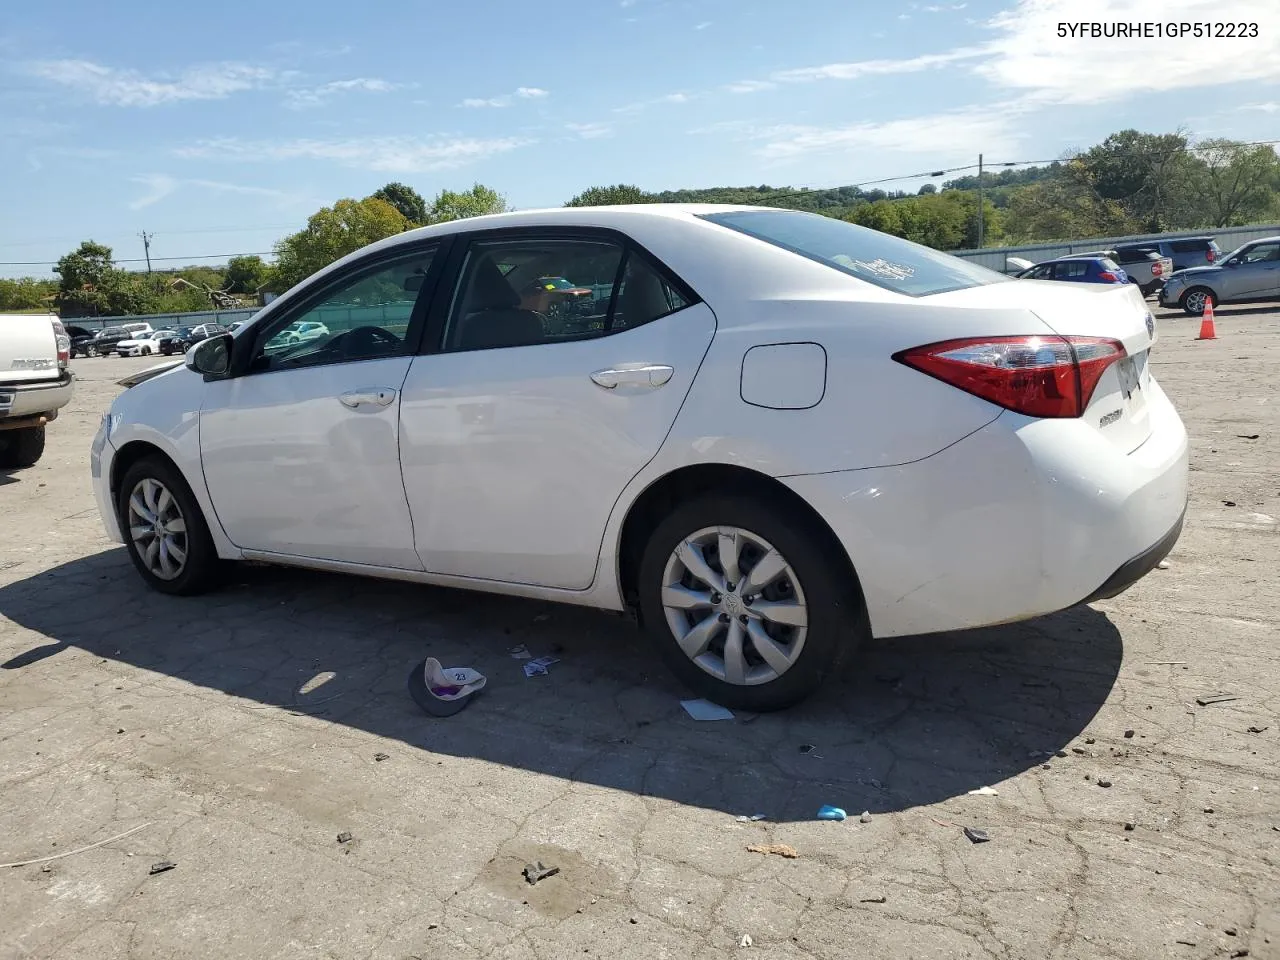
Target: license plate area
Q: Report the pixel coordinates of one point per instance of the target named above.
(1132, 372)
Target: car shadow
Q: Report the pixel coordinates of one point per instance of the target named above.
(913, 721)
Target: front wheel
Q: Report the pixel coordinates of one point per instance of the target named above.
(165, 530)
(748, 604)
(1196, 299)
(91, 352)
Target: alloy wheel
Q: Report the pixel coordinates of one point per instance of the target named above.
(1196, 301)
(734, 605)
(158, 529)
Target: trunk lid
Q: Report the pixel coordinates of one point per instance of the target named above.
(28, 348)
(1118, 407)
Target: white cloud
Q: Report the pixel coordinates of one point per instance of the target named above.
(953, 134)
(390, 154)
(944, 7)
(522, 93)
(642, 104)
(703, 25)
(130, 88)
(867, 68)
(158, 187)
(750, 86)
(315, 96)
(590, 131)
(1029, 56)
(1271, 107)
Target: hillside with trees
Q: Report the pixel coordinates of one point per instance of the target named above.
(1130, 183)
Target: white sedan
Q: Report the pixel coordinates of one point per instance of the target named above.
(144, 345)
(770, 434)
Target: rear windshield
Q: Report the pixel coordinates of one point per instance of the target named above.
(890, 262)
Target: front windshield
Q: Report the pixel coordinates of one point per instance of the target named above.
(879, 258)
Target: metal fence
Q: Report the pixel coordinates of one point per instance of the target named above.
(160, 321)
(996, 257)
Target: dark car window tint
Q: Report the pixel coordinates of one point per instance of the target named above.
(1071, 270)
(644, 295)
(362, 317)
(511, 294)
(886, 261)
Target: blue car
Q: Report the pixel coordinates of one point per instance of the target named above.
(1077, 270)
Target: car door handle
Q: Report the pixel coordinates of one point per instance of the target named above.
(648, 375)
(371, 396)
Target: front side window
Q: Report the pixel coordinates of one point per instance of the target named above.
(886, 261)
(361, 317)
(1263, 252)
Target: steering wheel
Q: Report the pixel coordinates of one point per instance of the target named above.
(365, 341)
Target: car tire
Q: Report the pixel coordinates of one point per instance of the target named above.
(198, 568)
(91, 351)
(1194, 299)
(21, 448)
(821, 604)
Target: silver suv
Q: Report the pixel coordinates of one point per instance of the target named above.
(1185, 252)
(1250, 272)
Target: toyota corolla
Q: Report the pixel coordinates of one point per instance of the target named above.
(778, 435)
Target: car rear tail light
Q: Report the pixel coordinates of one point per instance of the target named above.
(1157, 269)
(64, 344)
(1210, 256)
(1035, 376)
(1108, 276)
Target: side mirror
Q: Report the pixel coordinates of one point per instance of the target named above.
(211, 358)
(1234, 262)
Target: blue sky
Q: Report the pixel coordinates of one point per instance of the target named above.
(221, 127)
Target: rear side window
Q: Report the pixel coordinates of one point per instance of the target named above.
(886, 261)
(1071, 270)
(1192, 246)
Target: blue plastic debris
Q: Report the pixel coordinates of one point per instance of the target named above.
(829, 812)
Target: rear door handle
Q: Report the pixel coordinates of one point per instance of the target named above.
(640, 375)
(370, 396)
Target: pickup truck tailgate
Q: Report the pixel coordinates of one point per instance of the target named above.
(28, 348)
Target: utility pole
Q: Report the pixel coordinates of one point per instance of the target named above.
(981, 210)
(146, 246)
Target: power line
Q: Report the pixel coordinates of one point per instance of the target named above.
(201, 256)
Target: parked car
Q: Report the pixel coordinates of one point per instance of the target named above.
(794, 433)
(1077, 269)
(1185, 252)
(84, 344)
(1144, 267)
(35, 383)
(296, 333)
(109, 338)
(184, 338)
(1250, 272)
(144, 345)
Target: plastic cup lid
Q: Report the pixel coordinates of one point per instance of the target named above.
(443, 691)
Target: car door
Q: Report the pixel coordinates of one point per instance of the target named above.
(539, 406)
(300, 443)
(1257, 274)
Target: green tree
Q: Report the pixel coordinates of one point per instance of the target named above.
(246, 274)
(1228, 184)
(476, 202)
(610, 196)
(332, 233)
(879, 215)
(26, 293)
(927, 188)
(405, 199)
(1135, 170)
(1063, 209)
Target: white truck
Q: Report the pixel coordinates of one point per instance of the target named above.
(35, 383)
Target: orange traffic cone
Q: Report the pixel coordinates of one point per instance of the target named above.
(1207, 329)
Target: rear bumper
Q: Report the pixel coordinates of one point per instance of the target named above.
(24, 399)
(1022, 518)
(1138, 567)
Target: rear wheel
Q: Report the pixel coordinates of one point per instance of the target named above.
(91, 351)
(21, 448)
(748, 605)
(1196, 299)
(165, 530)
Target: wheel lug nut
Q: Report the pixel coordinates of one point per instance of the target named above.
(716, 598)
(724, 618)
(743, 618)
(748, 600)
(731, 586)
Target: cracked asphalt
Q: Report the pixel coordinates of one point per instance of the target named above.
(238, 734)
